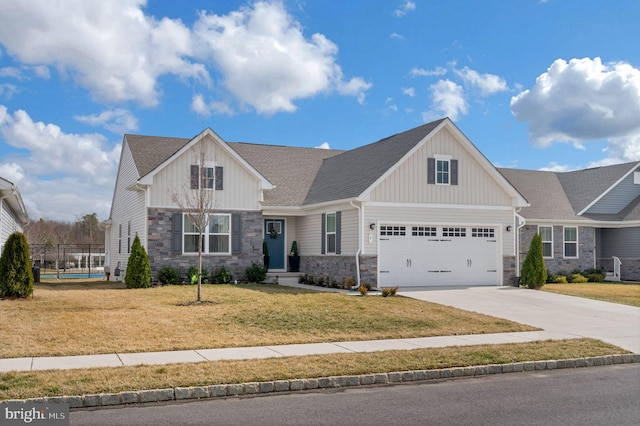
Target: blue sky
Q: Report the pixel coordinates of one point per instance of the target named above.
(535, 84)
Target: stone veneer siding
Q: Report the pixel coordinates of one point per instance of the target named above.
(509, 270)
(160, 253)
(337, 267)
(586, 249)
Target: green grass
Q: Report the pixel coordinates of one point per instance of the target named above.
(626, 294)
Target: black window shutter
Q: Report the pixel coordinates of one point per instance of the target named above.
(338, 232)
(324, 232)
(176, 233)
(431, 171)
(236, 233)
(195, 176)
(454, 172)
(219, 174)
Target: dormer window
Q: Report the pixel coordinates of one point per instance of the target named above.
(442, 172)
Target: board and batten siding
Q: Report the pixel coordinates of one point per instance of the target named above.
(241, 190)
(309, 231)
(128, 205)
(408, 183)
(618, 198)
(388, 215)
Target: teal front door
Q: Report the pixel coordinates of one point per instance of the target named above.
(274, 236)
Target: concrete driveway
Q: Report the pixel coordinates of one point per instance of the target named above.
(566, 315)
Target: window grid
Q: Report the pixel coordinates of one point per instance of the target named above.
(442, 172)
(393, 230)
(482, 232)
(454, 232)
(331, 233)
(546, 235)
(208, 177)
(423, 231)
(216, 238)
(570, 242)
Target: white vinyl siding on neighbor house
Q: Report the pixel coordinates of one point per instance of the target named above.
(408, 183)
(546, 234)
(241, 189)
(8, 224)
(570, 242)
(129, 213)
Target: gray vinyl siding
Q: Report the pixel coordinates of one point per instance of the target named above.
(618, 198)
(620, 242)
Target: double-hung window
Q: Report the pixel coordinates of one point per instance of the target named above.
(442, 171)
(330, 234)
(206, 177)
(546, 234)
(216, 236)
(570, 241)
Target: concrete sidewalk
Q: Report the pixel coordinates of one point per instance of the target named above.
(258, 352)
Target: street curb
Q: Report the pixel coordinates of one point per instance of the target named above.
(260, 388)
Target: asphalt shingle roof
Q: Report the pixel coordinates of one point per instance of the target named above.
(150, 151)
(562, 195)
(349, 174)
(291, 169)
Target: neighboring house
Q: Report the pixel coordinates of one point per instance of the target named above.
(585, 217)
(13, 214)
(422, 207)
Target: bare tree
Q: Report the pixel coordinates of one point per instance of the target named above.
(197, 199)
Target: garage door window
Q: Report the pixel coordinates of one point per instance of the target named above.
(391, 230)
(482, 232)
(424, 231)
(454, 232)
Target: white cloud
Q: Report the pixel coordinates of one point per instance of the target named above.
(116, 120)
(555, 167)
(266, 60)
(584, 100)
(134, 49)
(396, 36)
(421, 72)
(409, 91)
(404, 8)
(204, 108)
(78, 168)
(448, 100)
(323, 145)
(488, 84)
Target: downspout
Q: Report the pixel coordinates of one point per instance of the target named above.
(521, 223)
(360, 239)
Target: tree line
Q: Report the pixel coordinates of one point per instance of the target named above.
(50, 233)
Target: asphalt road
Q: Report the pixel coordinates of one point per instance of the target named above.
(585, 396)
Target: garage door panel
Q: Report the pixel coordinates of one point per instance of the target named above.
(438, 255)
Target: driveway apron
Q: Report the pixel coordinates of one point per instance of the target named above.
(574, 316)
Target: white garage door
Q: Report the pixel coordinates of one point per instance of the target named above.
(417, 255)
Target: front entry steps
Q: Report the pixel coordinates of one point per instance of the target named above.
(274, 277)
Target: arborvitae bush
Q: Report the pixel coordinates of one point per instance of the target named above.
(16, 277)
(138, 273)
(534, 272)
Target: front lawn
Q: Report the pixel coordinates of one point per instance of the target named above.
(627, 294)
(98, 317)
